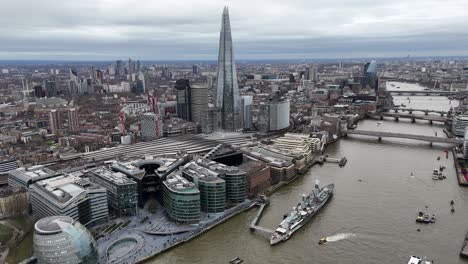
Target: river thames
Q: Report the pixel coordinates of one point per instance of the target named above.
(371, 218)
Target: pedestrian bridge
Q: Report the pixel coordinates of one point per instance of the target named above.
(380, 135)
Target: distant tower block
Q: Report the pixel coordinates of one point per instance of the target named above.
(73, 122)
(54, 121)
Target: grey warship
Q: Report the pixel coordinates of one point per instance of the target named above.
(302, 213)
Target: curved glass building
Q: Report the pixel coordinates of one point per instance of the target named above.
(235, 180)
(212, 188)
(60, 239)
(181, 199)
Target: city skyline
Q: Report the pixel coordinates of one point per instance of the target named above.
(162, 31)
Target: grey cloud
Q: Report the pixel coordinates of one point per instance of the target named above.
(189, 29)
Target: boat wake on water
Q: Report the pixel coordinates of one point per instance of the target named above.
(340, 236)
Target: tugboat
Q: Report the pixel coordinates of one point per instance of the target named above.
(302, 213)
(322, 241)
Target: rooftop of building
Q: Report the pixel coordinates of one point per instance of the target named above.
(134, 168)
(287, 152)
(251, 165)
(218, 167)
(33, 173)
(63, 189)
(111, 176)
(462, 117)
(268, 156)
(202, 173)
(176, 183)
(128, 167)
(53, 224)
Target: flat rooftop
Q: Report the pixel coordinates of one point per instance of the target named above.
(111, 176)
(65, 187)
(202, 173)
(177, 183)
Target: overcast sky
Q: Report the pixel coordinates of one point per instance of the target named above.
(261, 29)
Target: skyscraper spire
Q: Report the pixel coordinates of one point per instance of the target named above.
(227, 89)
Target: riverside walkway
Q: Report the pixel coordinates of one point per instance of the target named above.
(381, 135)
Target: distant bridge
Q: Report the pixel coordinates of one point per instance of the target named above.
(425, 111)
(426, 93)
(412, 117)
(430, 139)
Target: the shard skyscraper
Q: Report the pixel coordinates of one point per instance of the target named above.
(227, 105)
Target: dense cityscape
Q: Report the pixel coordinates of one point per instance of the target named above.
(131, 160)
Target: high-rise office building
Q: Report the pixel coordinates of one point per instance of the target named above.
(246, 109)
(99, 77)
(121, 191)
(141, 84)
(279, 114)
(50, 88)
(184, 99)
(74, 83)
(370, 73)
(138, 66)
(227, 91)
(199, 103)
(54, 121)
(307, 74)
(194, 69)
(151, 126)
(39, 91)
(119, 68)
(60, 239)
(314, 75)
(273, 116)
(130, 66)
(73, 122)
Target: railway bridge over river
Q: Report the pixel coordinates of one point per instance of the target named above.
(430, 139)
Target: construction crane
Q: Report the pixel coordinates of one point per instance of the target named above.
(122, 116)
(156, 111)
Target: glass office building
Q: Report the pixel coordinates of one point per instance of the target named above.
(212, 188)
(60, 239)
(181, 199)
